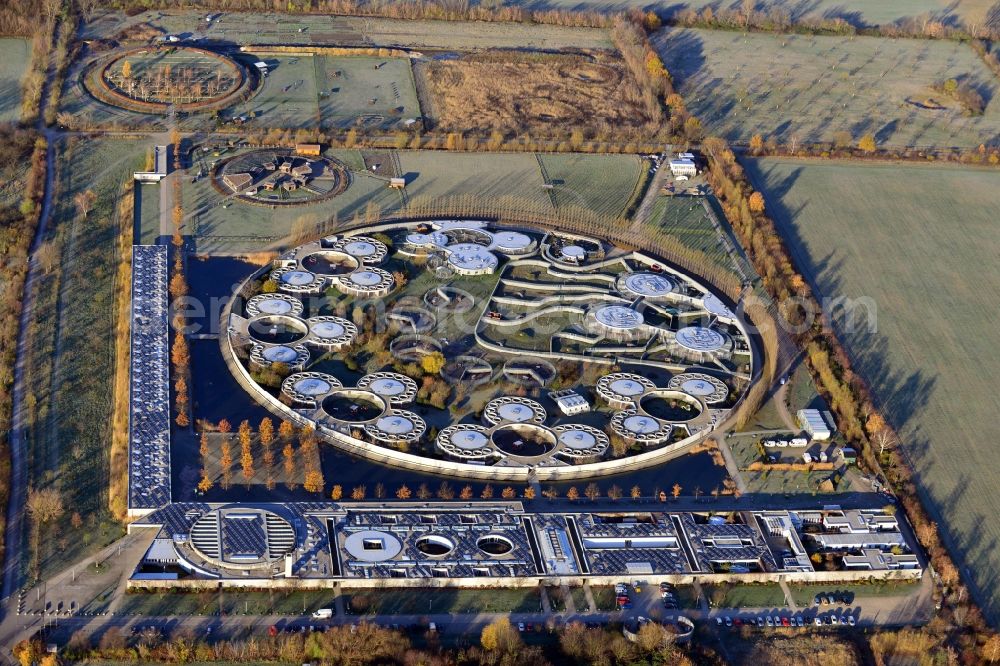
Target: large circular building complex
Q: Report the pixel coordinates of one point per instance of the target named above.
(463, 348)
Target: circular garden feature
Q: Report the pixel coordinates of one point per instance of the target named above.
(282, 177)
(152, 79)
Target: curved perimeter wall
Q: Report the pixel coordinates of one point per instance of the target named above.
(399, 459)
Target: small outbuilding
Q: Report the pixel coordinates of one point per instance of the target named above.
(813, 423)
(311, 149)
(397, 183)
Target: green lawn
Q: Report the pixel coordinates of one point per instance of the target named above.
(278, 602)
(812, 87)
(744, 596)
(15, 54)
(918, 246)
(428, 601)
(804, 595)
(477, 181)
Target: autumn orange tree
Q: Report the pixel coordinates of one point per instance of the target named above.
(246, 454)
(226, 462)
(404, 492)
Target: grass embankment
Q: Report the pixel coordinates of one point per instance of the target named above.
(71, 362)
(22, 183)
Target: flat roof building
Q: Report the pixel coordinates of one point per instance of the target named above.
(812, 421)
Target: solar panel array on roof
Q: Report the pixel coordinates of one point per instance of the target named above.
(149, 381)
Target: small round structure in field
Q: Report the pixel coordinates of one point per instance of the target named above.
(573, 254)
(331, 333)
(698, 341)
(523, 440)
(274, 304)
(292, 356)
(645, 285)
(581, 441)
(294, 281)
(353, 406)
(412, 348)
(622, 390)
(636, 427)
(617, 322)
(399, 426)
(154, 79)
(410, 318)
(450, 299)
(281, 177)
(330, 262)
(241, 537)
(670, 406)
(363, 248)
(471, 259)
(465, 441)
(711, 389)
(527, 371)
(469, 370)
(277, 329)
(714, 305)
(511, 409)
(513, 243)
(305, 387)
(372, 546)
(396, 388)
(367, 282)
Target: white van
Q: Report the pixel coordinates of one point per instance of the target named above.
(323, 614)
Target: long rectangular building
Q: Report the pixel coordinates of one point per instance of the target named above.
(149, 383)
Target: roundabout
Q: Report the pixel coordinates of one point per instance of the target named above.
(505, 367)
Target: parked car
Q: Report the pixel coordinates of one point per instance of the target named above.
(729, 621)
(817, 600)
(770, 621)
(818, 621)
(786, 622)
(520, 626)
(851, 621)
(718, 621)
(799, 622)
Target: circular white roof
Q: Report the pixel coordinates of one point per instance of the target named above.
(511, 240)
(469, 440)
(619, 316)
(627, 387)
(715, 306)
(515, 412)
(387, 386)
(280, 354)
(372, 546)
(312, 386)
(641, 425)
(395, 425)
(577, 439)
(471, 257)
(298, 278)
(433, 238)
(648, 284)
(574, 252)
(365, 278)
(700, 339)
(698, 387)
(327, 329)
(360, 248)
(274, 306)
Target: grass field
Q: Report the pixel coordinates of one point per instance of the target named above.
(14, 57)
(856, 12)
(276, 602)
(321, 91)
(442, 600)
(744, 596)
(71, 361)
(804, 595)
(241, 28)
(812, 88)
(516, 93)
(607, 184)
(921, 242)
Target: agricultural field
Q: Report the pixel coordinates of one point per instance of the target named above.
(856, 12)
(608, 184)
(920, 243)
(70, 364)
(305, 90)
(319, 29)
(15, 55)
(534, 94)
(817, 88)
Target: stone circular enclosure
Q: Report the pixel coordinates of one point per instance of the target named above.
(154, 79)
